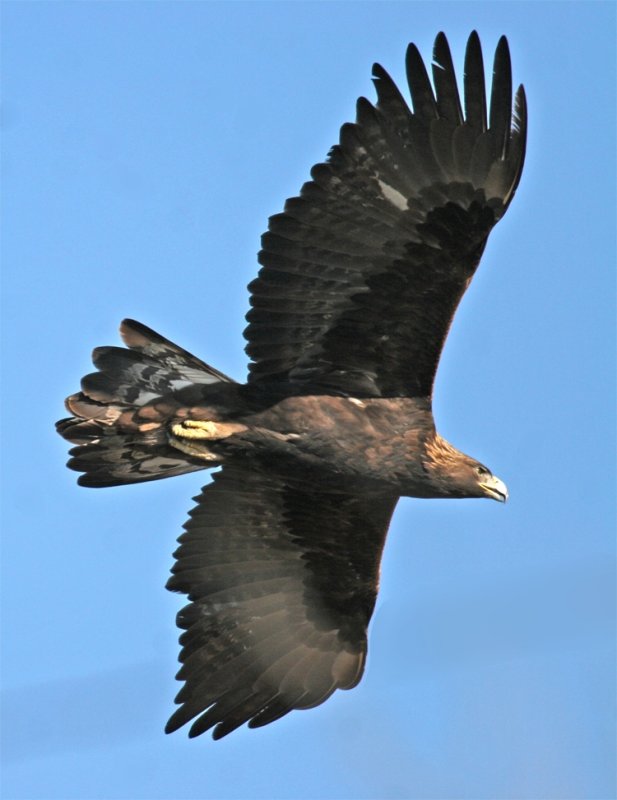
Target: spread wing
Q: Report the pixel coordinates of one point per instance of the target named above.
(361, 274)
(282, 580)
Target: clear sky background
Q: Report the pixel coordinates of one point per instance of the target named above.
(145, 145)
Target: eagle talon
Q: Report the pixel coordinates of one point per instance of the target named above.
(194, 450)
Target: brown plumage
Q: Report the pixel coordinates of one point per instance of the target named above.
(361, 275)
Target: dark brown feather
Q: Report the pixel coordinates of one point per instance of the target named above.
(120, 416)
(283, 578)
(361, 275)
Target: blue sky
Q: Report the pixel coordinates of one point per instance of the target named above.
(145, 145)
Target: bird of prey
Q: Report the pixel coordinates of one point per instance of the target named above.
(360, 277)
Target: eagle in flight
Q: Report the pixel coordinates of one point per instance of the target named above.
(360, 277)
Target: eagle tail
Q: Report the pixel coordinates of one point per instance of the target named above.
(120, 416)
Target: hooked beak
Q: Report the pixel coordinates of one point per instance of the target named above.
(494, 488)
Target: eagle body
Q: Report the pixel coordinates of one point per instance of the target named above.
(322, 433)
(318, 436)
(360, 277)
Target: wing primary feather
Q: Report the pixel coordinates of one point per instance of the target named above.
(473, 82)
(422, 97)
(519, 135)
(238, 716)
(389, 98)
(230, 711)
(500, 117)
(275, 710)
(519, 118)
(444, 78)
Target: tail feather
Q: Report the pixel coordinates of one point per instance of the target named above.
(139, 338)
(120, 417)
(118, 458)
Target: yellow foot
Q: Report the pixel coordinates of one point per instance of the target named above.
(195, 429)
(190, 435)
(205, 429)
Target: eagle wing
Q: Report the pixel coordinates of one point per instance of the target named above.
(362, 273)
(282, 579)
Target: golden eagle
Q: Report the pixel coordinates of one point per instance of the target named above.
(360, 278)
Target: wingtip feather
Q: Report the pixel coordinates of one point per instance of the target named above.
(500, 114)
